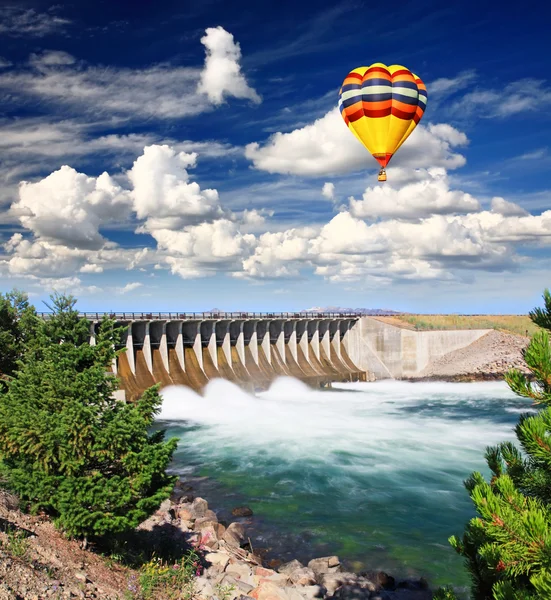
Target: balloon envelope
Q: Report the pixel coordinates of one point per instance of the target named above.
(381, 106)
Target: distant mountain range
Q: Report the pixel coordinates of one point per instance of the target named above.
(363, 311)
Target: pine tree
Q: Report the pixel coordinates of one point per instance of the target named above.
(18, 324)
(507, 547)
(67, 446)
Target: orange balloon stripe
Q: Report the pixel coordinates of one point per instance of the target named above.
(403, 107)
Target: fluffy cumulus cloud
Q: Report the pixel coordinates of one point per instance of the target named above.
(427, 195)
(418, 227)
(68, 207)
(327, 147)
(163, 194)
(222, 74)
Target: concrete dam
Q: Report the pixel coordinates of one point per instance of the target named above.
(253, 349)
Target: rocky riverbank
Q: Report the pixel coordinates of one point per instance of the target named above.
(49, 566)
(486, 359)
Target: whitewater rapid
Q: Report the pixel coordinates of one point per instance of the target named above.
(370, 471)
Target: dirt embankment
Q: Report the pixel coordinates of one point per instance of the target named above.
(490, 357)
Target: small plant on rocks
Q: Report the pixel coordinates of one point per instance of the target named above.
(164, 581)
(17, 544)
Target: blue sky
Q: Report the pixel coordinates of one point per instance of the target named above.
(188, 155)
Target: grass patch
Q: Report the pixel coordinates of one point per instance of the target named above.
(16, 543)
(163, 580)
(517, 324)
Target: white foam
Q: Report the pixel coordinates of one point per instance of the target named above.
(373, 427)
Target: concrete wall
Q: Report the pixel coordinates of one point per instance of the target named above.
(384, 351)
(249, 352)
(253, 352)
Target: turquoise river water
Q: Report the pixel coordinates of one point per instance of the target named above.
(371, 472)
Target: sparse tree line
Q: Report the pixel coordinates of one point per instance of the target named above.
(70, 449)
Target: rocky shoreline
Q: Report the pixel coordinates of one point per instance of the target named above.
(230, 561)
(229, 568)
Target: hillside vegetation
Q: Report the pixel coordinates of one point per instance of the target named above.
(517, 324)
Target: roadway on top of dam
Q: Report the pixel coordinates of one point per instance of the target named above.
(186, 316)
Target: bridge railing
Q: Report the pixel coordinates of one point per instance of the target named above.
(177, 316)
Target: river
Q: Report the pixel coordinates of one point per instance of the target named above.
(371, 472)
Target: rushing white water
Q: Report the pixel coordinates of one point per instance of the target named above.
(375, 469)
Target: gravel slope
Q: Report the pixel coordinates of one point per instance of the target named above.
(491, 355)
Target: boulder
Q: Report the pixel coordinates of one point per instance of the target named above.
(310, 592)
(184, 512)
(303, 576)
(219, 559)
(381, 579)
(325, 564)
(243, 572)
(333, 580)
(208, 538)
(290, 566)
(203, 587)
(261, 572)
(204, 523)
(166, 505)
(351, 592)
(242, 511)
(268, 591)
(234, 587)
(199, 507)
(234, 535)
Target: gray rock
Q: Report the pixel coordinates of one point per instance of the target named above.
(234, 535)
(290, 566)
(199, 507)
(220, 559)
(332, 581)
(351, 592)
(302, 576)
(242, 572)
(325, 564)
(242, 511)
(310, 592)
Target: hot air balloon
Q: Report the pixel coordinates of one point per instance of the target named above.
(381, 106)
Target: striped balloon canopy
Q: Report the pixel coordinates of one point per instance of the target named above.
(381, 106)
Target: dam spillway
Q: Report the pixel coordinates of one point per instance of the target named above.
(250, 350)
(253, 349)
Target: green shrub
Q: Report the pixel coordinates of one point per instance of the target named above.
(67, 446)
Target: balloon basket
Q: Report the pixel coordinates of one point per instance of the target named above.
(382, 175)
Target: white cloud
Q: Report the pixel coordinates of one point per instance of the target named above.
(524, 95)
(51, 58)
(129, 287)
(5, 63)
(327, 147)
(68, 207)
(446, 86)
(425, 229)
(91, 268)
(222, 75)
(18, 21)
(163, 193)
(328, 191)
(429, 195)
(506, 208)
(160, 91)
